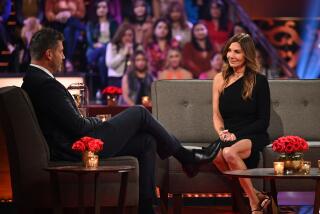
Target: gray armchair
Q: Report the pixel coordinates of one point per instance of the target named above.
(28, 154)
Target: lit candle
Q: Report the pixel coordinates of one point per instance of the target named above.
(145, 100)
(278, 168)
(306, 166)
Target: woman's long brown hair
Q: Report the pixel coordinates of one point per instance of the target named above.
(251, 65)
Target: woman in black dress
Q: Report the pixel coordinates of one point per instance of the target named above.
(241, 112)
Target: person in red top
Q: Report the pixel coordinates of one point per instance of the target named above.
(218, 25)
(198, 53)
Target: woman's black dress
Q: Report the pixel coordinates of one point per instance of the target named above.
(247, 119)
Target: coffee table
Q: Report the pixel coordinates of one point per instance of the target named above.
(268, 174)
(80, 171)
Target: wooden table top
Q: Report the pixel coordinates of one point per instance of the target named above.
(269, 173)
(82, 169)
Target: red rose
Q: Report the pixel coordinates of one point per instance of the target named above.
(112, 90)
(79, 146)
(289, 149)
(88, 143)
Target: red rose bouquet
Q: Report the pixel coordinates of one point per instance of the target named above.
(112, 90)
(290, 144)
(291, 147)
(88, 144)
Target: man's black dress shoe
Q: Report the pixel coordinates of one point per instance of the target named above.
(207, 154)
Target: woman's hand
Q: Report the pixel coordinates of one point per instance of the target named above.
(226, 136)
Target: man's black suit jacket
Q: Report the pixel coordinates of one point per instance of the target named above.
(58, 116)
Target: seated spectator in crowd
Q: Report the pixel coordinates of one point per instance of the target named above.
(266, 68)
(65, 15)
(158, 49)
(137, 82)
(5, 9)
(239, 28)
(160, 7)
(30, 27)
(181, 28)
(218, 25)
(100, 29)
(30, 8)
(198, 53)
(216, 66)
(141, 22)
(173, 69)
(118, 53)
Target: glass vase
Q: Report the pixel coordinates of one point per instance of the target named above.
(90, 160)
(112, 100)
(292, 162)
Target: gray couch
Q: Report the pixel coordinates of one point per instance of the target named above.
(184, 107)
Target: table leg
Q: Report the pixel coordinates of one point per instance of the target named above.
(56, 193)
(316, 205)
(81, 193)
(274, 192)
(123, 192)
(238, 197)
(96, 194)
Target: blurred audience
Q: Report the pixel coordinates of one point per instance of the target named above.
(181, 28)
(198, 53)
(136, 83)
(142, 23)
(161, 43)
(218, 24)
(31, 25)
(65, 16)
(173, 68)
(29, 8)
(5, 9)
(216, 66)
(160, 7)
(266, 68)
(100, 29)
(118, 53)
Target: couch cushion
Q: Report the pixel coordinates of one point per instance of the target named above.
(295, 108)
(184, 107)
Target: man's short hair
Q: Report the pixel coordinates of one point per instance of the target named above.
(44, 39)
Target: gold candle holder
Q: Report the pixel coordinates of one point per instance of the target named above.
(306, 167)
(90, 160)
(104, 117)
(145, 100)
(278, 167)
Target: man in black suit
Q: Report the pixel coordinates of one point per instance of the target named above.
(133, 132)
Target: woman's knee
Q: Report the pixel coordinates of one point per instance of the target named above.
(229, 155)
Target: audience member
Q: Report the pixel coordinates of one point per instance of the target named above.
(218, 25)
(160, 7)
(29, 8)
(5, 9)
(198, 53)
(239, 28)
(30, 27)
(137, 82)
(173, 69)
(100, 30)
(118, 53)
(158, 49)
(65, 15)
(141, 22)
(266, 68)
(181, 28)
(216, 66)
